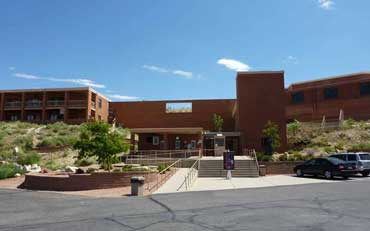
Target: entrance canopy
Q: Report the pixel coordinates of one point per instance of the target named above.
(189, 130)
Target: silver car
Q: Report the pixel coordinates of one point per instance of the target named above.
(360, 159)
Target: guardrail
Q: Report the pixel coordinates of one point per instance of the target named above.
(252, 153)
(190, 177)
(160, 156)
(162, 176)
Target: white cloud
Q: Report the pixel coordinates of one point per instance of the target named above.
(185, 74)
(234, 65)
(291, 59)
(326, 4)
(181, 73)
(84, 82)
(155, 68)
(122, 97)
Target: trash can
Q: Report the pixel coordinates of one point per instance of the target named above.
(262, 170)
(137, 186)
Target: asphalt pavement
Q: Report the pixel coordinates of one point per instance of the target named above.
(343, 205)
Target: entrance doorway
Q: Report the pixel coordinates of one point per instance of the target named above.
(219, 145)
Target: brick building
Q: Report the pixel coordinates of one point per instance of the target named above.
(188, 124)
(71, 105)
(311, 100)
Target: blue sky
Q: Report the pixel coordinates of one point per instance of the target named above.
(166, 49)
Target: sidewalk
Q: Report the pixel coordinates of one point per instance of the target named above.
(174, 182)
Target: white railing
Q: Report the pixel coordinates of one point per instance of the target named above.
(160, 156)
(252, 154)
(190, 177)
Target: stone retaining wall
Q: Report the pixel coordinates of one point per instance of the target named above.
(77, 182)
(280, 167)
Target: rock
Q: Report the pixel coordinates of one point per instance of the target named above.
(91, 170)
(70, 169)
(140, 168)
(32, 168)
(17, 175)
(119, 165)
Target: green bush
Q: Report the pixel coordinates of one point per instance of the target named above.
(84, 162)
(9, 170)
(29, 158)
(127, 168)
(362, 147)
(162, 167)
(329, 149)
(53, 165)
(283, 157)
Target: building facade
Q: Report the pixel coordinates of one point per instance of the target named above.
(70, 105)
(312, 100)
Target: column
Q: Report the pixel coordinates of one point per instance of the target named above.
(22, 106)
(66, 99)
(43, 113)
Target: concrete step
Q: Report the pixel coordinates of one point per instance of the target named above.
(215, 168)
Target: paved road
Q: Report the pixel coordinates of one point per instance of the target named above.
(336, 206)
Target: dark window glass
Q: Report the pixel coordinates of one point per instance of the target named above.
(341, 157)
(149, 139)
(364, 156)
(335, 160)
(331, 93)
(298, 97)
(365, 88)
(352, 158)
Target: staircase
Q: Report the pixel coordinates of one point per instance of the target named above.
(215, 168)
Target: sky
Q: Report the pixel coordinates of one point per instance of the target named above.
(166, 49)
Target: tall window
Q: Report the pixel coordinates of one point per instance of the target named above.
(365, 88)
(297, 97)
(331, 93)
(100, 103)
(179, 107)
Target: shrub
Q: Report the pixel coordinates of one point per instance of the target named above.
(53, 165)
(271, 131)
(329, 149)
(84, 162)
(293, 127)
(283, 157)
(29, 158)
(127, 168)
(9, 170)
(362, 147)
(162, 167)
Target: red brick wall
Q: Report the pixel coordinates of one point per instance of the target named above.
(315, 106)
(281, 167)
(76, 182)
(260, 97)
(153, 114)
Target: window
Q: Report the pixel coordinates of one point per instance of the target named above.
(331, 93)
(193, 144)
(341, 157)
(100, 103)
(364, 156)
(30, 117)
(149, 139)
(155, 140)
(13, 117)
(365, 88)
(298, 97)
(178, 143)
(178, 107)
(351, 157)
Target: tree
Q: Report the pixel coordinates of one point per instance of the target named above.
(218, 122)
(271, 132)
(293, 127)
(100, 140)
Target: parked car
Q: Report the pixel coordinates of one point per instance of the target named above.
(327, 167)
(360, 160)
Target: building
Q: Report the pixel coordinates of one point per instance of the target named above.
(71, 105)
(188, 124)
(311, 100)
(184, 124)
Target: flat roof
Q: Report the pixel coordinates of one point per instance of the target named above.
(55, 89)
(320, 80)
(185, 130)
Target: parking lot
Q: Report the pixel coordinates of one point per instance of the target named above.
(344, 205)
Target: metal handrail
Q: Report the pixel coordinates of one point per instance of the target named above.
(162, 177)
(255, 158)
(190, 176)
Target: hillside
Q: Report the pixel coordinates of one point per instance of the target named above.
(52, 141)
(313, 140)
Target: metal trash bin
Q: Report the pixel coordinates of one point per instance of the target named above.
(262, 170)
(137, 186)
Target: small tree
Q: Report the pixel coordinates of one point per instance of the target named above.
(293, 127)
(218, 122)
(271, 131)
(100, 140)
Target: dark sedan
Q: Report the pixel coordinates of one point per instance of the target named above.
(327, 167)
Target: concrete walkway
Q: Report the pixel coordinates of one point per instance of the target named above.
(174, 182)
(205, 184)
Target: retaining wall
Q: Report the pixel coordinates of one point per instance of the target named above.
(280, 167)
(76, 182)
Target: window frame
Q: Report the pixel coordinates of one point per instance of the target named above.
(328, 93)
(294, 97)
(366, 91)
